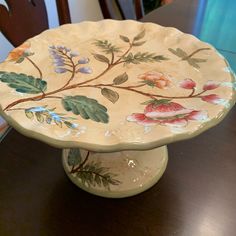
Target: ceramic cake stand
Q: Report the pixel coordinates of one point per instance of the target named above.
(112, 94)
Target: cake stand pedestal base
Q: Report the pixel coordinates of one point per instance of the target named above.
(117, 174)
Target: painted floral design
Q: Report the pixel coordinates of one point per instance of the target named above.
(160, 110)
(63, 60)
(18, 54)
(155, 79)
(192, 61)
(90, 173)
(165, 112)
(187, 84)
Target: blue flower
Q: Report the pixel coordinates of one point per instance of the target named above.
(83, 60)
(60, 70)
(74, 54)
(52, 47)
(37, 109)
(59, 63)
(85, 70)
(67, 49)
(60, 47)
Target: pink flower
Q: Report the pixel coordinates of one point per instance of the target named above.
(209, 85)
(166, 113)
(187, 84)
(213, 98)
(155, 79)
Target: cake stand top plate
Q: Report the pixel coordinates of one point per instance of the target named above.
(114, 85)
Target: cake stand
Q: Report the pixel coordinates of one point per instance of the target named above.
(112, 95)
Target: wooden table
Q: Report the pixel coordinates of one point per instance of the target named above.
(196, 195)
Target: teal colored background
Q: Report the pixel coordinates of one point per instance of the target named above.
(216, 24)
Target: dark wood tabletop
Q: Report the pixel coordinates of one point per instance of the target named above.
(196, 195)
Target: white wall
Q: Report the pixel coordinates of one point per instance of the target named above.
(80, 10)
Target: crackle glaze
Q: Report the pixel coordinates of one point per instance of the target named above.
(114, 85)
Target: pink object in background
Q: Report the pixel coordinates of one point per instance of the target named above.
(166, 2)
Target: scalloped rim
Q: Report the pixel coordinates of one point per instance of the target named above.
(124, 145)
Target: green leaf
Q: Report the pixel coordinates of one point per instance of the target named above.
(191, 62)
(160, 58)
(111, 95)
(149, 83)
(181, 52)
(178, 52)
(106, 46)
(74, 157)
(101, 58)
(139, 36)
(39, 117)
(198, 60)
(94, 174)
(156, 102)
(138, 43)
(120, 79)
(23, 83)
(21, 59)
(29, 114)
(58, 123)
(87, 108)
(98, 180)
(140, 57)
(69, 124)
(124, 38)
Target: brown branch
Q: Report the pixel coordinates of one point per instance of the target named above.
(54, 97)
(131, 88)
(193, 91)
(37, 68)
(73, 69)
(193, 53)
(112, 57)
(36, 98)
(66, 86)
(127, 51)
(81, 165)
(17, 109)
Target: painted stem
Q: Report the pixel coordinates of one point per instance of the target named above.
(66, 86)
(73, 68)
(153, 96)
(193, 53)
(119, 60)
(81, 165)
(37, 68)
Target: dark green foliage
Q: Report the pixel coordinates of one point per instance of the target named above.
(93, 174)
(23, 83)
(139, 57)
(42, 114)
(106, 46)
(124, 38)
(139, 35)
(156, 102)
(87, 108)
(111, 95)
(74, 157)
(188, 58)
(120, 79)
(101, 58)
(138, 43)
